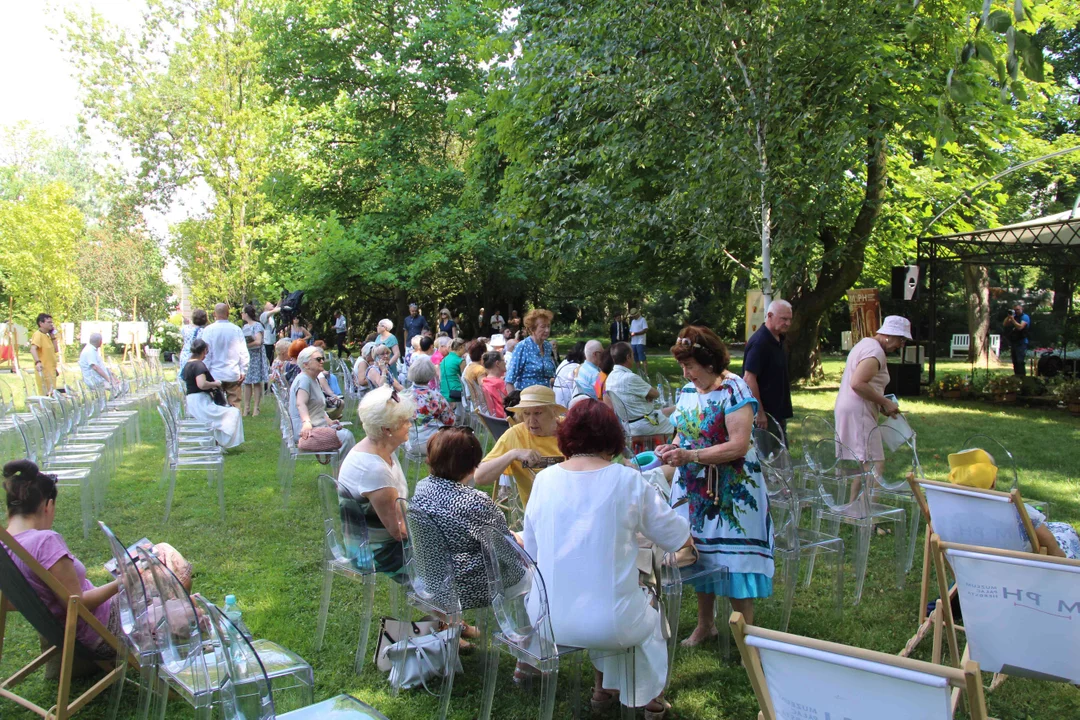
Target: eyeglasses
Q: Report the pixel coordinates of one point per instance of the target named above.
(394, 396)
(319, 359)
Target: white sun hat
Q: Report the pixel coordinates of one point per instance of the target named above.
(897, 326)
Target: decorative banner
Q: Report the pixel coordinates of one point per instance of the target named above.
(89, 327)
(137, 332)
(67, 332)
(865, 313)
(755, 312)
(21, 336)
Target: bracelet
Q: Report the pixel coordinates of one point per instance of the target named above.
(697, 456)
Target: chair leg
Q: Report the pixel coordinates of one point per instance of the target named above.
(839, 580)
(491, 672)
(118, 684)
(169, 492)
(549, 681)
(365, 622)
(451, 663)
(324, 606)
(791, 579)
(899, 532)
(220, 472)
(862, 552)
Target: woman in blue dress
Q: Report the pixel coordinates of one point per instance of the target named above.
(718, 472)
(534, 357)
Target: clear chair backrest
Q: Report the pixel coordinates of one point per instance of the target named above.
(245, 692)
(518, 595)
(1000, 453)
(345, 525)
(779, 476)
(7, 400)
(812, 431)
(973, 517)
(177, 632)
(835, 471)
(429, 562)
(132, 595)
(45, 424)
(621, 411)
(900, 461)
(30, 434)
(801, 679)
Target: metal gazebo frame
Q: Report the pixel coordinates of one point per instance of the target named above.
(1051, 241)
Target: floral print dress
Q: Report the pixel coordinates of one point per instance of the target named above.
(732, 529)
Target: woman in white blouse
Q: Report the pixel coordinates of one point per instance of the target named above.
(580, 526)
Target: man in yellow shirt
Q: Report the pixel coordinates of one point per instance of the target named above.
(527, 447)
(43, 348)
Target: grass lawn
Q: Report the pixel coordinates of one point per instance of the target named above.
(270, 558)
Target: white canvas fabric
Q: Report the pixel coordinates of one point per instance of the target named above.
(969, 517)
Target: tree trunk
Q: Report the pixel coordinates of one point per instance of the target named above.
(1064, 288)
(977, 288)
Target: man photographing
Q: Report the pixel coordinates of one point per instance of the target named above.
(1018, 326)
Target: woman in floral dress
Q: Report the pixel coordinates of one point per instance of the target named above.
(718, 472)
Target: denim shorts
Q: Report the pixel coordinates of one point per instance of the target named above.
(639, 352)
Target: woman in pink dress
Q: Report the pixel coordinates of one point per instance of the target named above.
(862, 389)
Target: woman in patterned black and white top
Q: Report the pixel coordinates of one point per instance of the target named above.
(463, 514)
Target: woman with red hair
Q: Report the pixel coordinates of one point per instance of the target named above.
(581, 526)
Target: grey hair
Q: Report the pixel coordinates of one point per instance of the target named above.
(379, 350)
(306, 354)
(422, 370)
(95, 337)
(593, 346)
(442, 341)
(778, 305)
(379, 412)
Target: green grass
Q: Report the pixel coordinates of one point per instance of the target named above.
(270, 558)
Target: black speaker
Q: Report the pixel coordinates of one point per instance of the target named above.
(906, 281)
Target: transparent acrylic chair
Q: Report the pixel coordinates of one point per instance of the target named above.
(246, 692)
(346, 553)
(859, 511)
(289, 453)
(429, 568)
(132, 597)
(891, 477)
(1004, 459)
(413, 455)
(792, 542)
(211, 460)
(516, 588)
(812, 430)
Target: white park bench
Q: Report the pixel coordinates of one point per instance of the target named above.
(962, 342)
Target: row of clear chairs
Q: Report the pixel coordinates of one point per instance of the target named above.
(288, 451)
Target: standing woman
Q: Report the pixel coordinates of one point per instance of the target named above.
(534, 357)
(386, 337)
(199, 384)
(298, 331)
(191, 333)
(450, 372)
(257, 372)
(718, 471)
(447, 324)
(862, 388)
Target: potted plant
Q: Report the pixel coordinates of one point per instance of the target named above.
(1069, 393)
(1003, 388)
(953, 385)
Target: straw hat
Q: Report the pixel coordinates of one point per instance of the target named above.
(897, 326)
(497, 341)
(537, 396)
(972, 468)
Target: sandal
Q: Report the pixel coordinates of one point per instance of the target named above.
(657, 714)
(605, 701)
(524, 673)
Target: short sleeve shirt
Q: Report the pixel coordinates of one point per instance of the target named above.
(362, 473)
(88, 358)
(766, 359)
(414, 326)
(518, 437)
(450, 374)
(269, 336)
(638, 325)
(316, 403)
(530, 365)
(46, 351)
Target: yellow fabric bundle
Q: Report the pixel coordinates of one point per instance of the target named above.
(972, 468)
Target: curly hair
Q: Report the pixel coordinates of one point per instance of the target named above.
(699, 343)
(591, 427)
(296, 348)
(537, 314)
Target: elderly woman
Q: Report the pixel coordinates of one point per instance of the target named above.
(581, 526)
(862, 389)
(281, 358)
(292, 369)
(371, 475)
(191, 333)
(533, 362)
(463, 514)
(386, 339)
(224, 420)
(307, 403)
(433, 412)
(256, 372)
(718, 472)
(527, 446)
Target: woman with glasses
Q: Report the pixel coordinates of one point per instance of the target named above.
(307, 402)
(447, 324)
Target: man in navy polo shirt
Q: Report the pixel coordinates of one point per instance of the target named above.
(765, 367)
(1017, 325)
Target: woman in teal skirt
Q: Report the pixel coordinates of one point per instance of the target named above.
(719, 475)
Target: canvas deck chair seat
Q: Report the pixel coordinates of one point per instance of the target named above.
(800, 677)
(58, 638)
(968, 516)
(1020, 611)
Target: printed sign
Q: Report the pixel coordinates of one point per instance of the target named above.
(137, 332)
(865, 309)
(89, 327)
(67, 332)
(755, 312)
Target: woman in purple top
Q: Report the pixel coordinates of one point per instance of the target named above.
(31, 508)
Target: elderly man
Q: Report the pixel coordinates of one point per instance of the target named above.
(92, 366)
(765, 367)
(227, 356)
(589, 372)
(643, 417)
(415, 324)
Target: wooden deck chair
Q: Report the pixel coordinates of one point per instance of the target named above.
(1021, 611)
(800, 677)
(58, 635)
(969, 516)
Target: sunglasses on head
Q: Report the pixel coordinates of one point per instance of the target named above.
(394, 396)
(689, 342)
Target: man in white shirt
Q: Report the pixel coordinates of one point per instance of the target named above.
(497, 322)
(340, 329)
(227, 353)
(92, 366)
(589, 372)
(636, 394)
(638, 326)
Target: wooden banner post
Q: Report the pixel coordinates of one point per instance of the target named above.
(9, 341)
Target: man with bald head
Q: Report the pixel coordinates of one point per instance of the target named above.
(227, 353)
(589, 372)
(765, 368)
(91, 365)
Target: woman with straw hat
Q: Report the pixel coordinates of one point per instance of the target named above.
(528, 446)
(862, 388)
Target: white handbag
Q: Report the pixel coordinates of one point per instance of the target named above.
(426, 657)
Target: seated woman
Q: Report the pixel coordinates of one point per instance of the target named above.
(224, 420)
(527, 446)
(463, 514)
(31, 509)
(566, 372)
(581, 527)
(379, 371)
(372, 475)
(281, 358)
(433, 412)
(474, 370)
(977, 468)
(492, 384)
(292, 367)
(361, 366)
(307, 402)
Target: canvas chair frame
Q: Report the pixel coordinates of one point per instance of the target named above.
(949, 626)
(927, 621)
(65, 706)
(968, 679)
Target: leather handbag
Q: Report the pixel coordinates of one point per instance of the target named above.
(425, 658)
(392, 631)
(320, 440)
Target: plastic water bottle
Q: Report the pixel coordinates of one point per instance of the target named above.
(232, 611)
